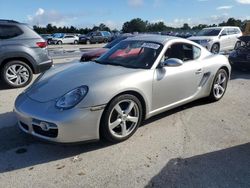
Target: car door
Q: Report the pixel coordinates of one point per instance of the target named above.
(94, 37)
(232, 37)
(70, 39)
(172, 85)
(224, 40)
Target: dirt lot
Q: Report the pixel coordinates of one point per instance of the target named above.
(197, 145)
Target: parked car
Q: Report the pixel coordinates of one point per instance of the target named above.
(95, 37)
(23, 53)
(217, 39)
(47, 37)
(109, 98)
(61, 38)
(94, 54)
(240, 57)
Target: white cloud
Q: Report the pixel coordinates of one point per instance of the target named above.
(243, 1)
(39, 12)
(42, 17)
(135, 3)
(224, 7)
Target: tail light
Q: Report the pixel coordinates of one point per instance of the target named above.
(41, 44)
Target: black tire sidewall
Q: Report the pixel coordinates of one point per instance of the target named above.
(212, 49)
(10, 63)
(104, 130)
(212, 96)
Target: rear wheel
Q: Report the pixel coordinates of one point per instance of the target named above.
(215, 48)
(16, 74)
(59, 42)
(121, 118)
(219, 85)
(88, 42)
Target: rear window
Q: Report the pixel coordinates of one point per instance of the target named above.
(9, 31)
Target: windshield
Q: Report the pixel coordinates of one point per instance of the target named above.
(58, 35)
(114, 42)
(209, 32)
(132, 54)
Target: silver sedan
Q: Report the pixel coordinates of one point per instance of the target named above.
(110, 97)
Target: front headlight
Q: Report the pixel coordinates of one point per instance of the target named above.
(72, 98)
(205, 41)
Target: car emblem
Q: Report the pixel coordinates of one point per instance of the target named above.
(44, 126)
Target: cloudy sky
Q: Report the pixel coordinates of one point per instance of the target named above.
(86, 13)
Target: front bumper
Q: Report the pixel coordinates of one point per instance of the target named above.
(67, 126)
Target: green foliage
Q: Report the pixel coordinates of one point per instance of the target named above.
(135, 25)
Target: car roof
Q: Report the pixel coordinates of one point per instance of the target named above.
(221, 27)
(162, 39)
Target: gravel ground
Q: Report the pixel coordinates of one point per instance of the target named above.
(197, 145)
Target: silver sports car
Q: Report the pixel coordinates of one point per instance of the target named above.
(110, 97)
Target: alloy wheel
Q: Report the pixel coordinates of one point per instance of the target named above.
(123, 118)
(17, 74)
(220, 85)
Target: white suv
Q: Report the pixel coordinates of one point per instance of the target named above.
(60, 38)
(217, 39)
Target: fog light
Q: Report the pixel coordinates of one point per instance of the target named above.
(44, 126)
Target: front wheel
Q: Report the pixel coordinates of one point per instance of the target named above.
(59, 42)
(121, 118)
(215, 48)
(16, 74)
(219, 85)
(75, 42)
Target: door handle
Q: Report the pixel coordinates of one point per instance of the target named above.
(199, 71)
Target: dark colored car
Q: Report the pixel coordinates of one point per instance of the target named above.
(94, 54)
(47, 37)
(240, 57)
(95, 37)
(23, 53)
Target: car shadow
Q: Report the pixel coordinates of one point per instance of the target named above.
(224, 168)
(162, 115)
(238, 74)
(34, 151)
(3, 86)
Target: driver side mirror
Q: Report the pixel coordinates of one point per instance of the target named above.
(222, 34)
(172, 62)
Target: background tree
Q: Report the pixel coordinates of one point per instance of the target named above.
(134, 25)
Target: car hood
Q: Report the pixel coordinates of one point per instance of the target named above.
(96, 52)
(202, 38)
(63, 78)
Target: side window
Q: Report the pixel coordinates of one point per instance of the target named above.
(224, 32)
(182, 51)
(9, 31)
(98, 34)
(231, 31)
(196, 52)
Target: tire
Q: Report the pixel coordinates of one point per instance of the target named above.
(215, 48)
(88, 42)
(16, 74)
(237, 45)
(75, 42)
(105, 40)
(59, 42)
(219, 86)
(118, 125)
